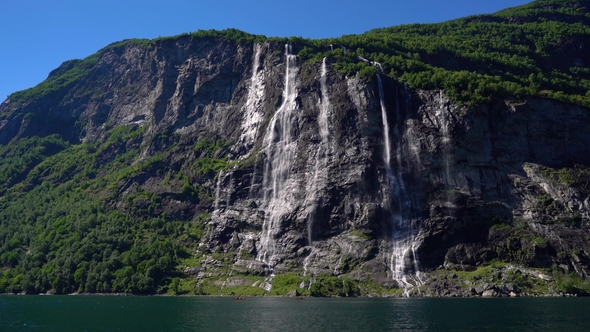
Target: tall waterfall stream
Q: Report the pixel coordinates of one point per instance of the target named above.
(280, 150)
(319, 175)
(403, 257)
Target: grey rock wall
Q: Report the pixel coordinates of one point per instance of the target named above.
(466, 170)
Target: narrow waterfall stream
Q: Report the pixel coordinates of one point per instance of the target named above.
(403, 258)
(280, 151)
(251, 121)
(253, 109)
(324, 117)
(320, 173)
(444, 116)
(217, 192)
(386, 141)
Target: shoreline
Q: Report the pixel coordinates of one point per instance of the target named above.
(554, 295)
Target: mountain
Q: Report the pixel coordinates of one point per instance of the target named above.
(442, 159)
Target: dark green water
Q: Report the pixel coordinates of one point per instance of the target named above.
(104, 313)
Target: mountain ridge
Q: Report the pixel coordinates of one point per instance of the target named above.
(197, 164)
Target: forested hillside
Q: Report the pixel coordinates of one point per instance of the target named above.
(97, 201)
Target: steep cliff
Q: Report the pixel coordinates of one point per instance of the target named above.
(210, 165)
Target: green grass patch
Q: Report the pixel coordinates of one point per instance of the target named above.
(326, 286)
(208, 165)
(481, 271)
(577, 177)
(359, 234)
(282, 284)
(571, 283)
(371, 288)
(223, 286)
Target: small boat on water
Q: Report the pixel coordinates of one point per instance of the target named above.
(239, 298)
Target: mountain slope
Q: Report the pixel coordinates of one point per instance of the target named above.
(220, 162)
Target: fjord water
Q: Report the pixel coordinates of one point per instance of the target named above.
(111, 313)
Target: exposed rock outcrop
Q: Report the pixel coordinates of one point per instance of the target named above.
(483, 183)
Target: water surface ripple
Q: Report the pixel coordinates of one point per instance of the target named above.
(110, 313)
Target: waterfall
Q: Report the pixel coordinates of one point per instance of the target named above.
(444, 116)
(412, 133)
(403, 257)
(378, 65)
(372, 63)
(253, 108)
(386, 141)
(217, 192)
(319, 171)
(280, 151)
(325, 107)
(320, 174)
(229, 190)
(252, 117)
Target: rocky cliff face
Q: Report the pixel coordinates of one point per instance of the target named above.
(316, 173)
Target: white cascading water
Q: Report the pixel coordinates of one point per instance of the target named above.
(320, 174)
(280, 151)
(217, 192)
(253, 109)
(444, 116)
(386, 141)
(406, 199)
(411, 134)
(403, 238)
(378, 65)
(251, 121)
(229, 192)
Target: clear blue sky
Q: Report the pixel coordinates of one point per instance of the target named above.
(36, 36)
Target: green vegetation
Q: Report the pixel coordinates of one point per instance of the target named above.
(81, 217)
(283, 284)
(233, 35)
(577, 177)
(357, 233)
(500, 227)
(334, 286)
(481, 271)
(570, 283)
(144, 43)
(20, 157)
(501, 273)
(213, 287)
(531, 50)
(60, 231)
(213, 156)
(58, 82)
